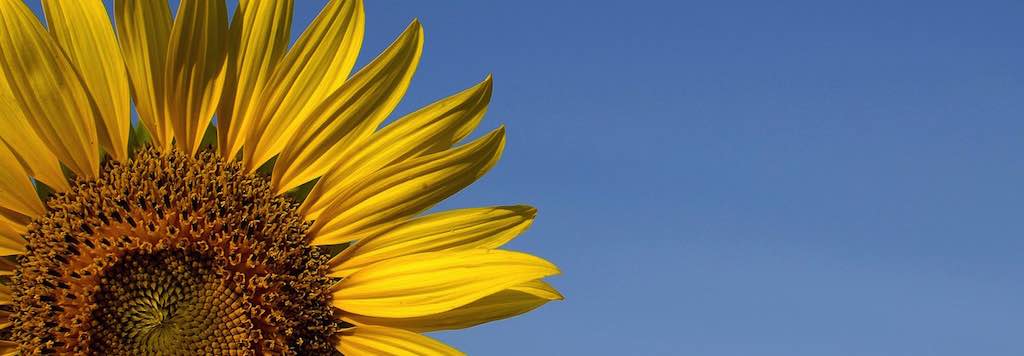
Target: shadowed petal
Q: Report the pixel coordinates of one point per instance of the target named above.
(27, 146)
(143, 30)
(47, 89)
(82, 29)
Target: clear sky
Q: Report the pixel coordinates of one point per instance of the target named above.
(742, 177)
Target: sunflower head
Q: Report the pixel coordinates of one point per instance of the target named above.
(167, 252)
(291, 224)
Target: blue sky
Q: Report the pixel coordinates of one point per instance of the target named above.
(746, 177)
(749, 177)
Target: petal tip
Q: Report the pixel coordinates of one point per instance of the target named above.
(558, 296)
(415, 31)
(487, 86)
(529, 211)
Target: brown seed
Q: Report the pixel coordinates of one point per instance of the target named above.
(204, 260)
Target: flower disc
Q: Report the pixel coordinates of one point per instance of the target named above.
(165, 253)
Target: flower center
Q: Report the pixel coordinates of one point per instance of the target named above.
(170, 300)
(165, 254)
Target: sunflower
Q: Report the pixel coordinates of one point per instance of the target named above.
(290, 224)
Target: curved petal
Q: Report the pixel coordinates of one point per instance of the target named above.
(502, 305)
(539, 289)
(82, 29)
(31, 151)
(455, 230)
(194, 77)
(431, 129)
(350, 114)
(315, 67)
(8, 347)
(375, 340)
(6, 295)
(392, 195)
(7, 267)
(5, 319)
(12, 227)
(258, 38)
(47, 89)
(9, 245)
(16, 191)
(434, 282)
(143, 30)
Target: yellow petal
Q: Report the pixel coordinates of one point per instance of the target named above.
(376, 340)
(194, 78)
(5, 294)
(47, 89)
(349, 115)
(8, 244)
(392, 195)
(31, 151)
(82, 29)
(502, 305)
(16, 190)
(431, 129)
(539, 289)
(315, 67)
(258, 39)
(434, 282)
(5, 319)
(12, 227)
(455, 230)
(143, 30)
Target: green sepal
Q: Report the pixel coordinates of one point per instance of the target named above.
(267, 169)
(138, 137)
(42, 190)
(334, 250)
(209, 140)
(300, 193)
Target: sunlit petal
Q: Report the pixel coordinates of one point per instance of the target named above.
(431, 129)
(350, 114)
(456, 230)
(394, 194)
(435, 282)
(194, 77)
(501, 305)
(316, 66)
(376, 340)
(257, 40)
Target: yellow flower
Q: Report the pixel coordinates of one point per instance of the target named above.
(290, 225)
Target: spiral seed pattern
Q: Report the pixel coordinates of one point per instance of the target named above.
(166, 254)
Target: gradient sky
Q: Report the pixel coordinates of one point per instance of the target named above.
(746, 177)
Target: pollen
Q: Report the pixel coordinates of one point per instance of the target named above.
(166, 254)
